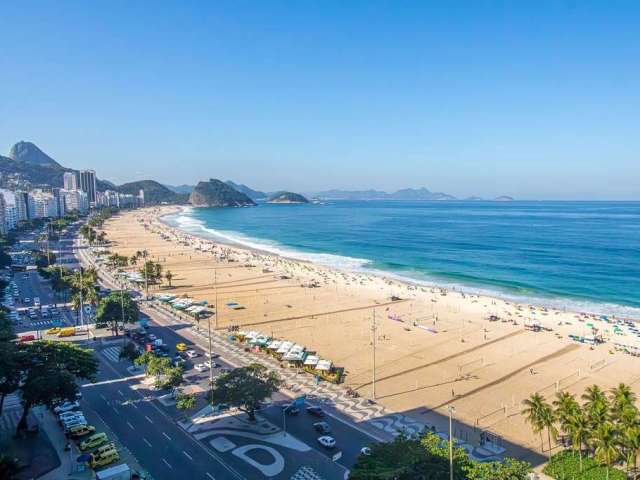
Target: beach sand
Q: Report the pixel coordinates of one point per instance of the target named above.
(434, 347)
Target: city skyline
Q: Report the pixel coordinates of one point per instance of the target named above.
(536, 102)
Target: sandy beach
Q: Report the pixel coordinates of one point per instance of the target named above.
(434, 347)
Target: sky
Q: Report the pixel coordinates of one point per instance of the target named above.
(537, 100)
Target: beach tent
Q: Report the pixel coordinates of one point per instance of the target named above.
(261, 340)
(311, 360)
(323, 365)
(295, 354)
(274, 344)
(284, 347)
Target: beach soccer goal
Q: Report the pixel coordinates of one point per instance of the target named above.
(567, 381)
(467, 368)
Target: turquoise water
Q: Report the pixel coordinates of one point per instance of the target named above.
(575, 255)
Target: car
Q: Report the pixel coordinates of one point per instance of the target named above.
(66, 407)
(93, 441)
(81, 430)
(102, 460)
(181, 347)
(365, 451)
(213, 355)
(45, 314)
(315, 411)
(201, 367)
(207, 363)
(65, 418)
(53, 331)
(76, 423)
(26, 300)
(152, 337)
(106, 448)
(326, 441)
(192, 353)
(322, 427)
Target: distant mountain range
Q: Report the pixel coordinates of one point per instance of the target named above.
(27, 166)
(215, 193)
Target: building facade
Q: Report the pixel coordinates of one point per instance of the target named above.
(70, 181)
(75, 200)
(88, 185)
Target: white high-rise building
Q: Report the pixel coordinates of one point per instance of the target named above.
(3, 213)
(75, 200)
(70, 181)
(45, 204)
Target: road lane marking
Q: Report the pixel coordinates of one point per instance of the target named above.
(148, 419)
(102, 397)
(187, 455)
(167, 464)
(120, 393)
(166, 436)
(130, 426)
(210, 476)
(146, 441)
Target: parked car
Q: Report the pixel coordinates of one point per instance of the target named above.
(66, 407)
(213, 355)
(291, 410)
(322, 427)
(315, 411)
(365, 451)
(81, 430)
(181, 347)
(106, 459)
(192, 353)
(53, 331)
(326, 441)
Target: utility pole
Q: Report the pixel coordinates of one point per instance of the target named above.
(452, 410)
(215, 280)
(373, 330)
(81, 309)
(121, 304)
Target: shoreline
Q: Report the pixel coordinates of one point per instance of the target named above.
(435, 346)
(564, 304)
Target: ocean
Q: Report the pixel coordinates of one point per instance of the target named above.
(582, 256)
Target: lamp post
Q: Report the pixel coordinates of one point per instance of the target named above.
(452, 410)
(373, 330)
(215, 281)
(121, 305)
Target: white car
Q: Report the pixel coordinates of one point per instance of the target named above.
(74, 421)
(201, 367)
(191, 353)
(152, 337)
(66, 407)
(68, 416)
(365, 451)
(326, 441)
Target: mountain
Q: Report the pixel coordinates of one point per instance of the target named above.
(180, 188)
(249, 192)
(419, 194)
(154, 192)
(28, 152)
(287, 197)
(503, 198)
(215, 193)
(404, 194)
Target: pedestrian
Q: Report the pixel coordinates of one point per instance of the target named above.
(531, 371)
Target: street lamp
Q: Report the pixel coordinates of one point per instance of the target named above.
(452, 410)
(215, 280)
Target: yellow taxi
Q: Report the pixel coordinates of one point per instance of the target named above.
(81, 430)
(181, 347)
(94, 441)
(53, 331)
(104, 459)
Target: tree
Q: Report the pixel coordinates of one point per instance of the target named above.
(8, 466)
(579, 430)
(510, 469)
(169, 276)
(185, 401)
(10, 370)
(605, 441)
(50, 373)
(133, 260)
(245, 387)
(117, 307)
(534, 413)
(144, 360)
(622, 397)
(157, 272)
(129, 352)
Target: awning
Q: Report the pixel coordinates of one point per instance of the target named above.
(311, 360)
(285, 347)
(274, 344)
(323, 365)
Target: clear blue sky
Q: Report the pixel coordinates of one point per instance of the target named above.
(531, 99)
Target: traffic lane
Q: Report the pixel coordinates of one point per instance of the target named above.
(156, 441)
(349, 441)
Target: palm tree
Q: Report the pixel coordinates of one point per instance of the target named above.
(621, 397)
(549, 421)
(596, 405)
(606, 443)
(579, 429)
(631, 444)
(168, 275)
(534, 412)
(565, 406)
(157, 272)
(133, 260)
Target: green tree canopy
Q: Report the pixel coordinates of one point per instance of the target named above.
(245, 387)
(117, 307)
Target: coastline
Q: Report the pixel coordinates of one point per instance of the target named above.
(555, 302)
(435, 346)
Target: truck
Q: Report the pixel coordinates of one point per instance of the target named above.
(119, 472)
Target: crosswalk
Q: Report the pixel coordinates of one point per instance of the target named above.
(11, 412)
(306, 473)
(112, 353)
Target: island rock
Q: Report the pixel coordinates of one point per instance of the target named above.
(216, 193)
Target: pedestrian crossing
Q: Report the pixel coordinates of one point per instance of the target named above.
(306, 473)
(11, 412)
(43, 324)
(112, 353)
